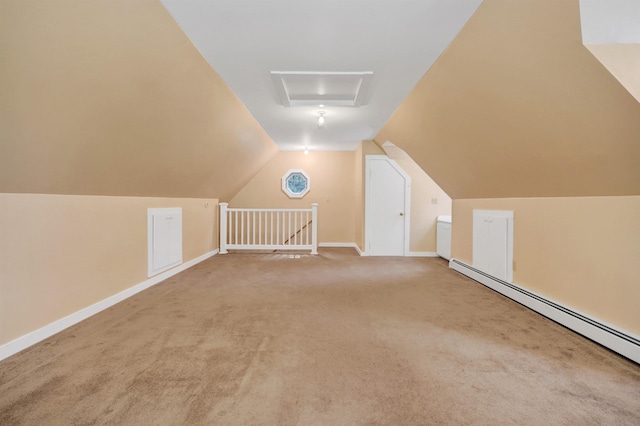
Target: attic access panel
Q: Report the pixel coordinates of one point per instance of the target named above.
(300, 88)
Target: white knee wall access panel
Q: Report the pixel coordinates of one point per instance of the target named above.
(493, 243)
(164, 239)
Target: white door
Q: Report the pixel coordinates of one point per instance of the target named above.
(387, 213)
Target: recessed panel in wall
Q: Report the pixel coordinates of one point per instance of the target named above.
(493, 243)
(164, 239)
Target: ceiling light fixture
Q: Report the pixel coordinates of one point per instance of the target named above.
(321, 118)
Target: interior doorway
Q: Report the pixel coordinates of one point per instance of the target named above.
(387, 208)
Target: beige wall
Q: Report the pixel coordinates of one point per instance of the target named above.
(62, 253)
(518, 107)
(371, 148)
(424, 214)
(332, 187)
(107, 97)
(582, 251)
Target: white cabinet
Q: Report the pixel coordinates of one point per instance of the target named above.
(443, 237)
(165, 239)
(493, 243)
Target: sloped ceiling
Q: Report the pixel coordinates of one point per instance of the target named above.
(611, 31)
(518, 107)
(245, 40)
(111, 98)
(623, 62)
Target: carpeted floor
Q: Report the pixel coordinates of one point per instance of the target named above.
(330, 339)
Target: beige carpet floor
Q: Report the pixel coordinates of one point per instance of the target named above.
(333, 339)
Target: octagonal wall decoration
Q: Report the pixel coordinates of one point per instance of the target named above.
(296, 183)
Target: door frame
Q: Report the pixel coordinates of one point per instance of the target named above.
(367, 201)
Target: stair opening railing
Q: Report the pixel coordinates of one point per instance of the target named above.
(268, 229)
(295, 235)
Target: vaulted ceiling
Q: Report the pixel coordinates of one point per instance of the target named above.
(112, 98)
(396, 42)
(611, 31)
(518, 107)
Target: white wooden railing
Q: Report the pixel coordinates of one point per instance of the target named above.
(268, 229)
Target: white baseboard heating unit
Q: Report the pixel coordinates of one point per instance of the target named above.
(619, 341)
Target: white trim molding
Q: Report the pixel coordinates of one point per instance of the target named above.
(349, 245)
(614, 338)
(23, 342)
(422, 254)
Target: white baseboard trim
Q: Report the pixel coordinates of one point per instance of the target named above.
(620, 341)
(362, 253)
(23, 342)
(422, 254)
(350, 245)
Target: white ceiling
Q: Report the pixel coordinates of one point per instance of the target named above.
(245, 40)
(610, 22)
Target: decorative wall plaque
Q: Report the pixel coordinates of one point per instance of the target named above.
(296, 183)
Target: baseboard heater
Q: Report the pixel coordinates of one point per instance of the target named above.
(621, 342)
